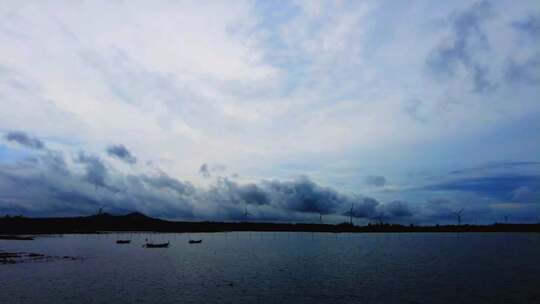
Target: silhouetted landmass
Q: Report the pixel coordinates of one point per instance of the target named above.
(24, 257)
(16, 238)
(140, 222)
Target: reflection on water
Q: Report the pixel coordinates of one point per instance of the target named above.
(278, 267)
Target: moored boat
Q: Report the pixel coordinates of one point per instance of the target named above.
(158, 245)
(195, 241)
(123, 241)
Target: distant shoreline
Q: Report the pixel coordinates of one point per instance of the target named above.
(137, 222)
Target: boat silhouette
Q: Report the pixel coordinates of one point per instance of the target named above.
(156, 245)
(195, 241)
(123, 241)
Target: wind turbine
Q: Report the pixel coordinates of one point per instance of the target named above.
(380, 217)
(458, 216)
(351, 213)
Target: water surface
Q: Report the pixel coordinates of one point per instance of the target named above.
(279, 267)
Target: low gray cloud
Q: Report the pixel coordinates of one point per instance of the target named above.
(122, 153)
(24, 139)
(413, 108)
(362, 207)
(495, 186)
(303, 195)
(253, 194)
(227, 191)
(496, 166)
(397, 209)
(299, 195)
(163, 181)
(96, 172)
(46, 184)
(526, 194)
(205, 171)
(376, 180)
(48, 187)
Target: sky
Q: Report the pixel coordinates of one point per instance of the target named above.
(405, 111)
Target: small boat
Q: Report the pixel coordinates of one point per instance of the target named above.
(159, 245)
(123, 241)
(195, 241)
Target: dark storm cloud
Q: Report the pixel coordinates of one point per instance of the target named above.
(253, 195)
(397, 209)
(163, 181)
(96, 172)
(122, 153)
(225, 191)
(46, 184)
(48, 187)
(25, 140)
(300, 195)
(204, 171)
(79, 199)
(468, 35)
(303, 195)
(362, 207)
(376, 180)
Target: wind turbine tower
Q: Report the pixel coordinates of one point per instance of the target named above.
(458, 216)
(351, 213)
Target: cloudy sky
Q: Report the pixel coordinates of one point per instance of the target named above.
(406, 110)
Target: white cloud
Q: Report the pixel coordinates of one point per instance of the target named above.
(187, 83)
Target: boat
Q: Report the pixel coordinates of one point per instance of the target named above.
(158, 245)
(195, 241)
(123, 241)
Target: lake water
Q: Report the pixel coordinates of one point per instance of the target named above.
(278, 267)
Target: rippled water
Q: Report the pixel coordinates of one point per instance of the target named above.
(278, 268)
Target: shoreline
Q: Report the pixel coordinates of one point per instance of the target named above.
(22, 228)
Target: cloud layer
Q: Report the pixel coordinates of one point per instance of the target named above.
(176, 108)
(56, 182)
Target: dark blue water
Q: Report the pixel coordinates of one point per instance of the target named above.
(279, 268)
